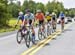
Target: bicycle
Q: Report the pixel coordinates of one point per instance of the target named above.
(26, 34)
(53, 26)
(41, 33)
(62, 25)
(49, 28)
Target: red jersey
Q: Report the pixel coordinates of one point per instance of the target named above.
(40, 16)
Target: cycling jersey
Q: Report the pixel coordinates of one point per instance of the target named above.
(40, 16)
(62, 16)
(48, 17)
(29, 17)
(21, 18)
(53, 17)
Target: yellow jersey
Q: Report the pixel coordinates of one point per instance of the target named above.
(48, 17)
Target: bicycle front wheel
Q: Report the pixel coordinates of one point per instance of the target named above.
(39, 35)
(48, 31)
(27, 40)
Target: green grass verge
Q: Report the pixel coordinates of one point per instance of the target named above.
(11, 27)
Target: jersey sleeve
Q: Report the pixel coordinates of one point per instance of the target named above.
(32, 16)
(25, 16)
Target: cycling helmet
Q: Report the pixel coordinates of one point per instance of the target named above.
(53, 13)
(47, 13)
(38, 11)
(27, 10)
(20, 13)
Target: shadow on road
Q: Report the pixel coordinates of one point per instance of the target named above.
(66, 30)
(47, 44)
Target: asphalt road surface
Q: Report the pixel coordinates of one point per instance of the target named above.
(64, 44)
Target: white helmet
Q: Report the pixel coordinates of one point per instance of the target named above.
(53, 13)
(20, 13)
(38, 11)
(47, 13)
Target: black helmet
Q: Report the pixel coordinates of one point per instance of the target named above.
(27, 10)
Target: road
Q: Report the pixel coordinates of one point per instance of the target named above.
(62, 45)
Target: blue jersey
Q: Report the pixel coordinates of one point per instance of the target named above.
(30, 16)
(21, 17)
(62, 15)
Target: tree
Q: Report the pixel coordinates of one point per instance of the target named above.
(29, 5)
(54, 6)
(40, 6)
(3, 12)
(71, 12)
(13, 9)
(32, 6)
(25, 5)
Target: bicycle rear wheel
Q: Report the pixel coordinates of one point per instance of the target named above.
(19, 37)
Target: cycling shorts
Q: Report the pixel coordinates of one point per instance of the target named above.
(53, 18)
(62, 18)
(48, 20)
(30, 21)
(41, 22)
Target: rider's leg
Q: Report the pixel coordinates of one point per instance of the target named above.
(43, 24)
(33, 32)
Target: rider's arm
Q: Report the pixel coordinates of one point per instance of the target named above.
(56, 17)
(24, 19)
(18, 20)
(33, 17)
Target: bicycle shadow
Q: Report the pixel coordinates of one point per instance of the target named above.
(66, 30)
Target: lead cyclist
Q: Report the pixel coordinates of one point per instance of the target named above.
(29, 19)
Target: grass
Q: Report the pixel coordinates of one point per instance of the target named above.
(10, 27)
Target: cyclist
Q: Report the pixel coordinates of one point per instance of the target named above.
(29, 18)
(40, 17)
(20, 17)
(48, 17)
(54, 21)
(62, 17)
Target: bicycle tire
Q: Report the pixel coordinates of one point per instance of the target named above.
(48, 31)
(62, 27)
(33, 39)
(19, 41)
(27, 40)
(39, 35)
(44, 34)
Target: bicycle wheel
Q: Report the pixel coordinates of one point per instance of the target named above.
(48, 31)
(33, 38)
(39, 35)
(54, 27)
(27, 40)
(19, 37)
(62, 28)
(44, 34)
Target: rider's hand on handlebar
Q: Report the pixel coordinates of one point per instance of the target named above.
(15, 25)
